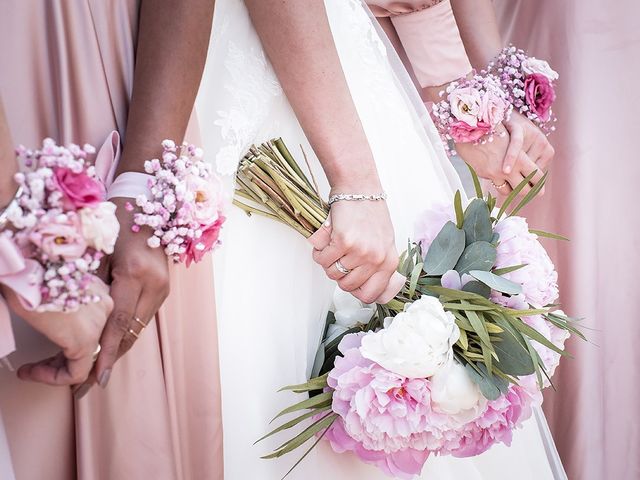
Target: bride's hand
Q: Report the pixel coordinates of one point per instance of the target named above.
(76, 333)
(362, 239)
(139, 279)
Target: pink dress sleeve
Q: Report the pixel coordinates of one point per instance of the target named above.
(430, 37)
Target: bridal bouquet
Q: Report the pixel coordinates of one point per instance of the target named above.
(450, 366)
(61, 220)
(185, 208)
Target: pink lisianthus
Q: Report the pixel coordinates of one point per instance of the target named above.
(197, 248)
(495, 425)
(465, 105)
(462, 132)
(493, 109)
(79, 189)
(431, 221)
(403, 464)
(59, 236)
(518, 246)
(540, 95)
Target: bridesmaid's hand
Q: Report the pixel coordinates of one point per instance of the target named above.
(363, 240)
(139, 279)
(76, 333)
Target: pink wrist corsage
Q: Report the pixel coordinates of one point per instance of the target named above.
(471, 109)
(528, 82)
(61, 220)
(185, 206)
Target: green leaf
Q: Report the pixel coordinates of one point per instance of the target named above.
(457, 203)
(415, 276)
(317, 383)
(318, 401)
(513, 358)
(478, 288)
(305, 435)
(505, 270)
(537, 336)
(291, 423)
(495, 238)
(444, 252)
(463, 340)
(476, 181)
(531, 195)
(480, 255)
(554, 236)
(496, 282)
(313, 445)
(511, 197)
(479, 327)
(477, 222)
(490, 385)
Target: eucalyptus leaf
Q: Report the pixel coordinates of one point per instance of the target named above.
(489, 386)
(480, 255)
(476, 181)
(457, 204)
(445, 251)
(496, 282)
(495, 238)
(477, 222)
(513, 358)
(478, 288)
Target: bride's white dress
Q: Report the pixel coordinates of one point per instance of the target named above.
(272, 299)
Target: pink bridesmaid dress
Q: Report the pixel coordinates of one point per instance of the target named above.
(67, 73)
(591, 197)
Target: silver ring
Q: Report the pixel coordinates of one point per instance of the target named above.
(498, 187)
(94, 357)
(341, 268)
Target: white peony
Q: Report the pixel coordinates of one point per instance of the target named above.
(417, 343)
(349, 311)
(454, 393)
(534, 65)
(100, 226)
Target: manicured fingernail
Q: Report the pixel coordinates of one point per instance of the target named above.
(82, 390)
(104, 378)
(327, 222)
(507, 170)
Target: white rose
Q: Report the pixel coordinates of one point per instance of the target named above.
(100, 226)
(417, 343)
(454, 393)
(465, 105)
(533, 65)
(349, 311)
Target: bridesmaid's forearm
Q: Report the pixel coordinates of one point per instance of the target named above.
(297, 38)
(8, 162)
(479, 30)
(170, 57)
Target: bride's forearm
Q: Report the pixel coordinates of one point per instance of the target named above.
(170, 57)
(8, 162)
(297, 38)
(479, 30)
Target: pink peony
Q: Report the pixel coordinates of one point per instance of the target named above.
(59, 237)
(495, 425)
(431, 221)
(79, 189)
(493, 109)
(518, 246)
(539, 94)
(197, 248)
(462, 132)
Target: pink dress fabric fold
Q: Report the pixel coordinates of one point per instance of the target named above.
(67, 74)
(591, 198)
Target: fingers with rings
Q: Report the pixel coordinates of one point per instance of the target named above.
(341, 268)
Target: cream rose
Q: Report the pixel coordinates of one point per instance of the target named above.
(100, 226)
(533, 65)
(417, 343)
(465, 105)
(454, 393)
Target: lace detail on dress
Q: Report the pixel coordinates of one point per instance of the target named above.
(251, 85)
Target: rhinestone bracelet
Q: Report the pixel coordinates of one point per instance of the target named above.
(356, 197)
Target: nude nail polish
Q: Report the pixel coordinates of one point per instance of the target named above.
(104, 378)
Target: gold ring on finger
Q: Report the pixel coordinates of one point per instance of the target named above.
(133, 332)
(140, 322)
(498, 187)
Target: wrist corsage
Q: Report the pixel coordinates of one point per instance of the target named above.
(185, 206)
(471, 109)
(61, 220)
(528, 82)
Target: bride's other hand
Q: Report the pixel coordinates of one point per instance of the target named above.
(139, 279)
(362, 240)
(76, 333)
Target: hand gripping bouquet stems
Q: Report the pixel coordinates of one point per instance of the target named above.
(455, 361)
(61, 224)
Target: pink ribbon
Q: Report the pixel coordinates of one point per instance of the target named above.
(24, 277)
(321, 238)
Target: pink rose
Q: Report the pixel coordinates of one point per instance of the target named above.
(462, 132)
(79, 189)
(207, 198)
(59, 237)
(540, 95)
(493, 109)
(465, 105)
(197, 248)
